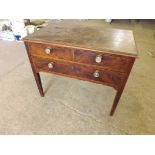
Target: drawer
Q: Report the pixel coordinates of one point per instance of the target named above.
(51, 65)
(99, 75)
(105, 60)
(92, 74)
(48, 50)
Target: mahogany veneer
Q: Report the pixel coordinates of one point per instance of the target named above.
(75, 49)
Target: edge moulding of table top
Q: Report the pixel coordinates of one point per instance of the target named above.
(85, 51)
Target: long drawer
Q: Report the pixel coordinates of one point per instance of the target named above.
(93, 74)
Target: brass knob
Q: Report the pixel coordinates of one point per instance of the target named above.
(98, 58)
(96, 74)
(48, 50)
(51, 65)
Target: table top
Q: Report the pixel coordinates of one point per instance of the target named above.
(86, 34)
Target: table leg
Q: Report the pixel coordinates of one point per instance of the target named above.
(116, 100)
(39, 84)
(36, 75)
(121, 88)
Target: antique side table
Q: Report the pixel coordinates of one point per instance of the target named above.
(85, 51)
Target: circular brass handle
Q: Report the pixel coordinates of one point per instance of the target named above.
(98, 58)
(96, 74)
(48, 50)
(51, 65)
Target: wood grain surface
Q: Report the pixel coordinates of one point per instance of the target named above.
(87, 35)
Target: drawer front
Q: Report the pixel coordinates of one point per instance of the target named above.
(92, 74)
(51, 65)
(53, 51)
(105, 60)
(97, 75)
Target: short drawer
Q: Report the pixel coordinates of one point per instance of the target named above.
(48, 50)
(97, 75)
(105, 60)
(51, 65)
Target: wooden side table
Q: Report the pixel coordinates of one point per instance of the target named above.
(80, 50)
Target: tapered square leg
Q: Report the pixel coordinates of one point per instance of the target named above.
(115, 103)
(36, 75)
(39, 84)
(121, 88)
